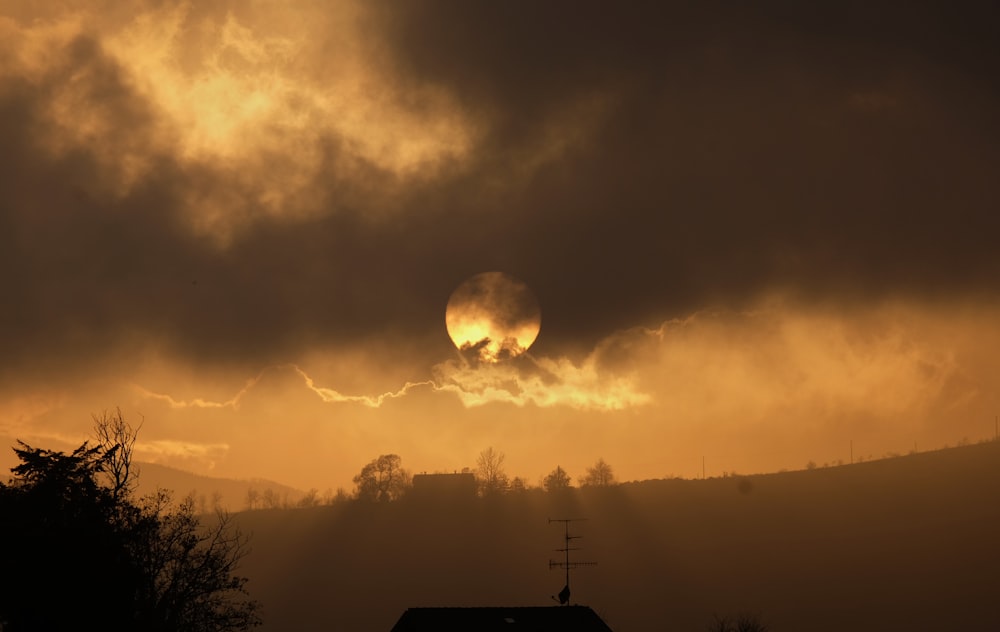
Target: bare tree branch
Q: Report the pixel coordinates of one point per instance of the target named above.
(117, 437)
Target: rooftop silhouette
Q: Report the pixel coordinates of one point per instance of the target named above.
(510, 619)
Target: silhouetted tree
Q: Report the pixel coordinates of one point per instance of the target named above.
(490, 474)
(189, 571)
(383, 479)
(80, 553)
(198, 501)
(62, 543)
(253, 497)
(340, 497)
(311, 498)
(269, 499)
(518, 484)
(116, 438)
(556, 480)
(600, 475)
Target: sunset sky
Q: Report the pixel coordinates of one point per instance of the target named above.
(756, 234)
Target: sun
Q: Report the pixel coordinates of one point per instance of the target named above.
(493, 316)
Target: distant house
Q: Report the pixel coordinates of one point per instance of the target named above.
(530, 619)
(457, 486)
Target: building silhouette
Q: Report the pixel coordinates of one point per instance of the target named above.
(525, 619)
(457, 486)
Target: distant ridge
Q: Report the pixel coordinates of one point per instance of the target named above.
(970, 458)
(229, 494)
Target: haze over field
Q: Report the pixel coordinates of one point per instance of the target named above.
(755, 234)
(884, 546)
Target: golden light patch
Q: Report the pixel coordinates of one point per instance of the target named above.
(545, 383)
(252, 84)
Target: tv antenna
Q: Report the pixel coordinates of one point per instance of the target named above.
(564, 593)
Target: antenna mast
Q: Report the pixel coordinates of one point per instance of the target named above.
(564, 593)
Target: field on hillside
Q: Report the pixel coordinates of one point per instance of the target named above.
(911, 543)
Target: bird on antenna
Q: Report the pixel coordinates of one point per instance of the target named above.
(564, 595)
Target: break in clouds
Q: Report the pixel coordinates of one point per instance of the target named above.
(213, 189)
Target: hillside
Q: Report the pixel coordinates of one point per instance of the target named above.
(901, 544)
(229, 494)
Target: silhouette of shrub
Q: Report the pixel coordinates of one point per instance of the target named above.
(740, 623)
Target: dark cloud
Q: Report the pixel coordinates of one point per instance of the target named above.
(633, 163)
(835, 151)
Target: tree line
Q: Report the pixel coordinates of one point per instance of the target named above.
(385, 479)
(492, 478)
(270, 499)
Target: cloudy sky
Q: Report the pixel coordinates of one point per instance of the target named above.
(756, 234)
